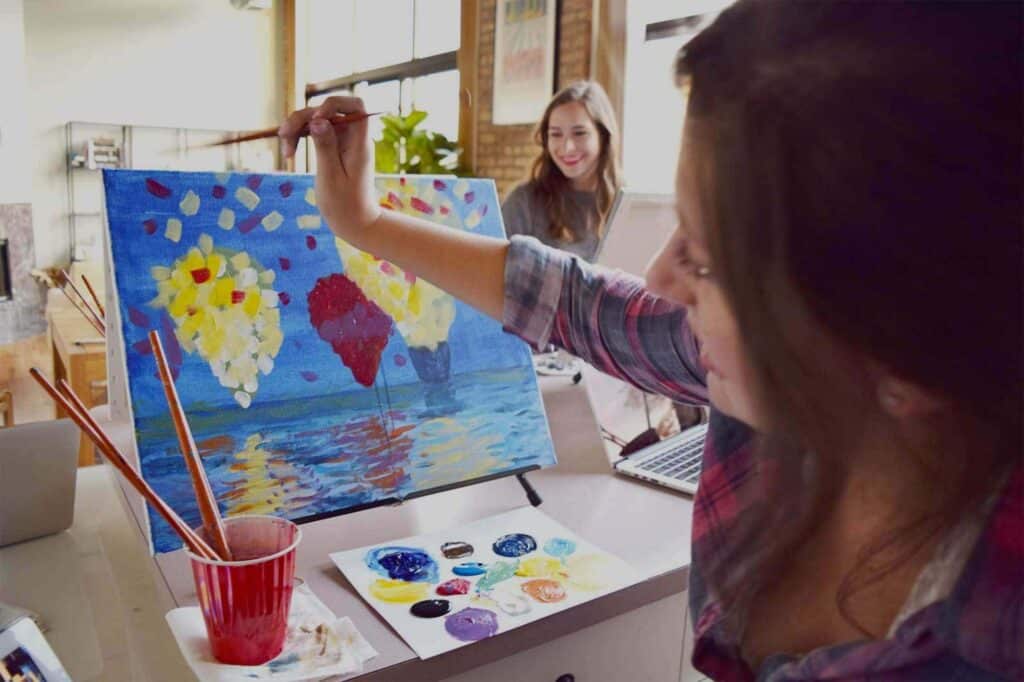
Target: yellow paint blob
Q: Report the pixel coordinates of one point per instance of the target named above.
(173, 231)
(190, 203)
(226, 220)
(272, 221)
(247, 197)
(540, 567)
(590, 572)
(399, 591)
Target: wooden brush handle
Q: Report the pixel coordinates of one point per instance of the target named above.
(212, 523)
(80, 415)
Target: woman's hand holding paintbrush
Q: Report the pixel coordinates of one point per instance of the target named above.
(337, 120)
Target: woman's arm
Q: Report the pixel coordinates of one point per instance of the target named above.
(469, 266)
(605, 317)
(540, 294)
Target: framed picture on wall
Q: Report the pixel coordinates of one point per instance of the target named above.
(524, 59)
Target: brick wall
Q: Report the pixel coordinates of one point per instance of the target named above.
(505, 152)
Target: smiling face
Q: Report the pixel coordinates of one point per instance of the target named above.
(682, 272)
(574, 144)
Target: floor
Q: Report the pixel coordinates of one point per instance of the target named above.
(31, 404)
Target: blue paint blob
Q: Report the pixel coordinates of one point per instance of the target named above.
(470, 568)
(514, 545)
(559, 547)
(403, 563)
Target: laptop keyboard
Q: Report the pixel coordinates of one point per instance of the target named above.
(681, 462)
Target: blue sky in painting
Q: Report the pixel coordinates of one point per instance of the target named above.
(477, 342)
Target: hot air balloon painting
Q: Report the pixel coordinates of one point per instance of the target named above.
(317, 378)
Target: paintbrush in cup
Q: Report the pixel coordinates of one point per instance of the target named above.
(79, 414)
(337, 119)
(212, 523)
(95, 298)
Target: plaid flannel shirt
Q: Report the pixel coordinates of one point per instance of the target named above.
(973, 629)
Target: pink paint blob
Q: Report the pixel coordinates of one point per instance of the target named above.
(421, 206)
(454, 586)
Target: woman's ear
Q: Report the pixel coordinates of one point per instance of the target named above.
(900, 399)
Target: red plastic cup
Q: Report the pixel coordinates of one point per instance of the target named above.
(245, 602)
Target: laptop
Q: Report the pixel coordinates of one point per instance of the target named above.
(38, 465)
(660, 452)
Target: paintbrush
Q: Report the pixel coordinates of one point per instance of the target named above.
(72, 404)
(212, 523)
(337, 119)
(91, 316)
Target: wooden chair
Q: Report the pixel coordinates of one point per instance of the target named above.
(6, 407)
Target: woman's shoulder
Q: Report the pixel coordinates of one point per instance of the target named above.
(523, 192)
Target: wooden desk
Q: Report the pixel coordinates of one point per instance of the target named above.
(104, 597)
(78, 358)
(634, 634)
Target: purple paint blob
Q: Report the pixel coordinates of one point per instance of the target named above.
(439, 186)
(514, 545)
(284, 297)
(219, 191)
(286, 189)
(468, 197)
(286, 264)
(472, 624)
(250, 223)
(156, 189)
(137, 317)
(483, 210)
(253, 181)
(400, 360)
(310, 242)
(142, 347)
(149, 226)
(309, 376)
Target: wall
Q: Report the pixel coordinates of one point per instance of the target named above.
(186, 63)
(505, 152)
(15, 183)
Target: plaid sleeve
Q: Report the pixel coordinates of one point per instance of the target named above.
(605, 317)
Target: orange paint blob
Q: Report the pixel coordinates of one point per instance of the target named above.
(544, 590)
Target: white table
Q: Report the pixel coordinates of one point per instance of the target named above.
(104, 598)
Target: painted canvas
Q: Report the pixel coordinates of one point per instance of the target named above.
(444, 590)
(316, 377)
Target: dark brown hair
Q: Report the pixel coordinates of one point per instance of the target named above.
(859, 173)
(551, 185)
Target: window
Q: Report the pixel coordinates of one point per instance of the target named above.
(398, 55)
(654, 106)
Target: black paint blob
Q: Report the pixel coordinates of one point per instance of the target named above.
(431, 608)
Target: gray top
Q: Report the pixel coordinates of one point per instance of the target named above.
(525, 214)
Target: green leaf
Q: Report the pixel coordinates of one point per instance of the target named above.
(386, 155)
(414, 119)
